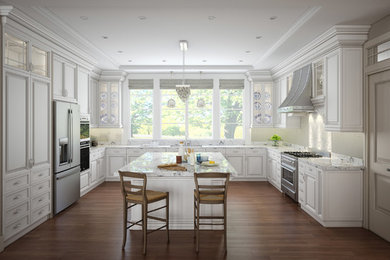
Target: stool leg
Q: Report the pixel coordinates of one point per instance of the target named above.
(167, 215)
(145, 224)
(197, 226)
(124, 223)
(225, 225)
(194, 218)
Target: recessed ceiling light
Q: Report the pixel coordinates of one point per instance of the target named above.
(204, 60)
(212, 17)
(241, 61)
(141, 17)
(119, 51)
(130, 60)
(273, 18)
(105, 37)
(247, 51)
(164, 60)
(83, 17)
(259, 37)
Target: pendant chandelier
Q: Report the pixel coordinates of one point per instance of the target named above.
(183, 90)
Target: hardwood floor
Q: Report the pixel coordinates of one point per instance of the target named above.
(262, 224)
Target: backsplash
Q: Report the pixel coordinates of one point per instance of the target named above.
(107, 135)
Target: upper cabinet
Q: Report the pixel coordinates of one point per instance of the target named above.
(83, 90)
(109, 104)
(344, 90)
(262, 104)
(26, 56)
(64, 79)
(318, 91)
(93, 104)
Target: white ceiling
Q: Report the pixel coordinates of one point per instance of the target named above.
(222, 41)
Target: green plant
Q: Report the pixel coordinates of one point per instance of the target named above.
(275, 138)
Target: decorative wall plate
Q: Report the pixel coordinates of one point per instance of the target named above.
(258, 105)
(267, 119)
(256, 95)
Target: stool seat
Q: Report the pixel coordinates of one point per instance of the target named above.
(210, 198)
(151, 196)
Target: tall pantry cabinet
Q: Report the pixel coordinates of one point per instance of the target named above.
(26, 136)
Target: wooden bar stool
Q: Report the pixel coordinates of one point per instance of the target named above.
(139, 195)
(210, 194)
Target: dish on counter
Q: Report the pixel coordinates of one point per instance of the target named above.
(208, 164)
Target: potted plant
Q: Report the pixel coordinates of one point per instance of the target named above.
(275, 139)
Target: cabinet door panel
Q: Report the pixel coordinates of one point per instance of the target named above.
(41, 122)
(17, 125)
(82, 88)
(332, 89)
(101, 169)
(311, 193)
(94, 172)
(115, 163)
(237, 163)
(57, 77)
(69, 81)
(255, 166)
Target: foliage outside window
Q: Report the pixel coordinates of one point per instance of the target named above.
(172, 118)
(141, 113)
(231, 113)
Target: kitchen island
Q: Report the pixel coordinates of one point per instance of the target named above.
(179, 184)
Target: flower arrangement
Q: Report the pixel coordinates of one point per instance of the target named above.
(275, 138)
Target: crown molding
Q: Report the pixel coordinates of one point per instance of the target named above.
(188, 69)
(338, 36)
(293, 29)
(113, 75)
(259, 75)
(5, 9)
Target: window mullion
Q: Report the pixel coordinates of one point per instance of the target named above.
(156, 109)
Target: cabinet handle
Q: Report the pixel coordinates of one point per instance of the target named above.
(388, 169)
(16, 197)
(40, 212)
(16, 183)
(16, 212)
(16, 226)
(40, 175)
(40, 200)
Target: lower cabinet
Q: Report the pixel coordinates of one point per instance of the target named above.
(333, 197)
(274, 168)
(116, 158)
(96, 173)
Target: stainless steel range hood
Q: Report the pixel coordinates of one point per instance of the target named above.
(298, 99)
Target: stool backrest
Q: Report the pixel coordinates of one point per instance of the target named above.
(131, 189)
(212, 189)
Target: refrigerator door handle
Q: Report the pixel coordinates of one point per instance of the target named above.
(71, 140)
(69, 136)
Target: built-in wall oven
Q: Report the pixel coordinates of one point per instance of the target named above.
(84, 141)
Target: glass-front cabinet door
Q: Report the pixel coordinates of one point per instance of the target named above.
(318, 79)
(262, 104)
(109, 104)
(39, 61)
(15, 52)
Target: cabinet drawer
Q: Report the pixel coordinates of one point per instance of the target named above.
(16, 213)
(39, 213)
(40, 201)
(16, 183)
(16, 198)
(15, 227)
(135, 151)
(40, 175)
(155, 150)
(234, 151)
(116, 151)
(255, 151)
(216, 150)
(40, 188)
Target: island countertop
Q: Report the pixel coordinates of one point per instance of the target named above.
(148, 162)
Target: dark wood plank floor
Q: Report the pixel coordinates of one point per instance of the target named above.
(262, 224)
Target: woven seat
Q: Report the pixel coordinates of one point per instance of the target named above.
(210, 194)
(138, 195)
(151, 196)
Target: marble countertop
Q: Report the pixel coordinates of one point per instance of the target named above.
(331, 164)
(148, 162)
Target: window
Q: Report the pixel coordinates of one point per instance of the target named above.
(141, 108)
(172, 115)
(200, 114)
(231, 108)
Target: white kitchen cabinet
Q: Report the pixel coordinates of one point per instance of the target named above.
(95, 175)
(262, 104)
(237, 163)
(274, 168)
(93, 98)
(83, 89)
(27, 138)
(64, 79)
(116, 158)
(344, 90)
(84, 181)
(255, 159)
(101, 169)
(333, 197)
(110, 104)
(94, 172)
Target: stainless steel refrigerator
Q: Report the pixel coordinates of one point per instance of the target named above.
(66, 154)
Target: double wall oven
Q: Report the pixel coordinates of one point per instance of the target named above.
(84, 141)
(289, 163)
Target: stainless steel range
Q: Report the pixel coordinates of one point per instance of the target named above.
(289, 162)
